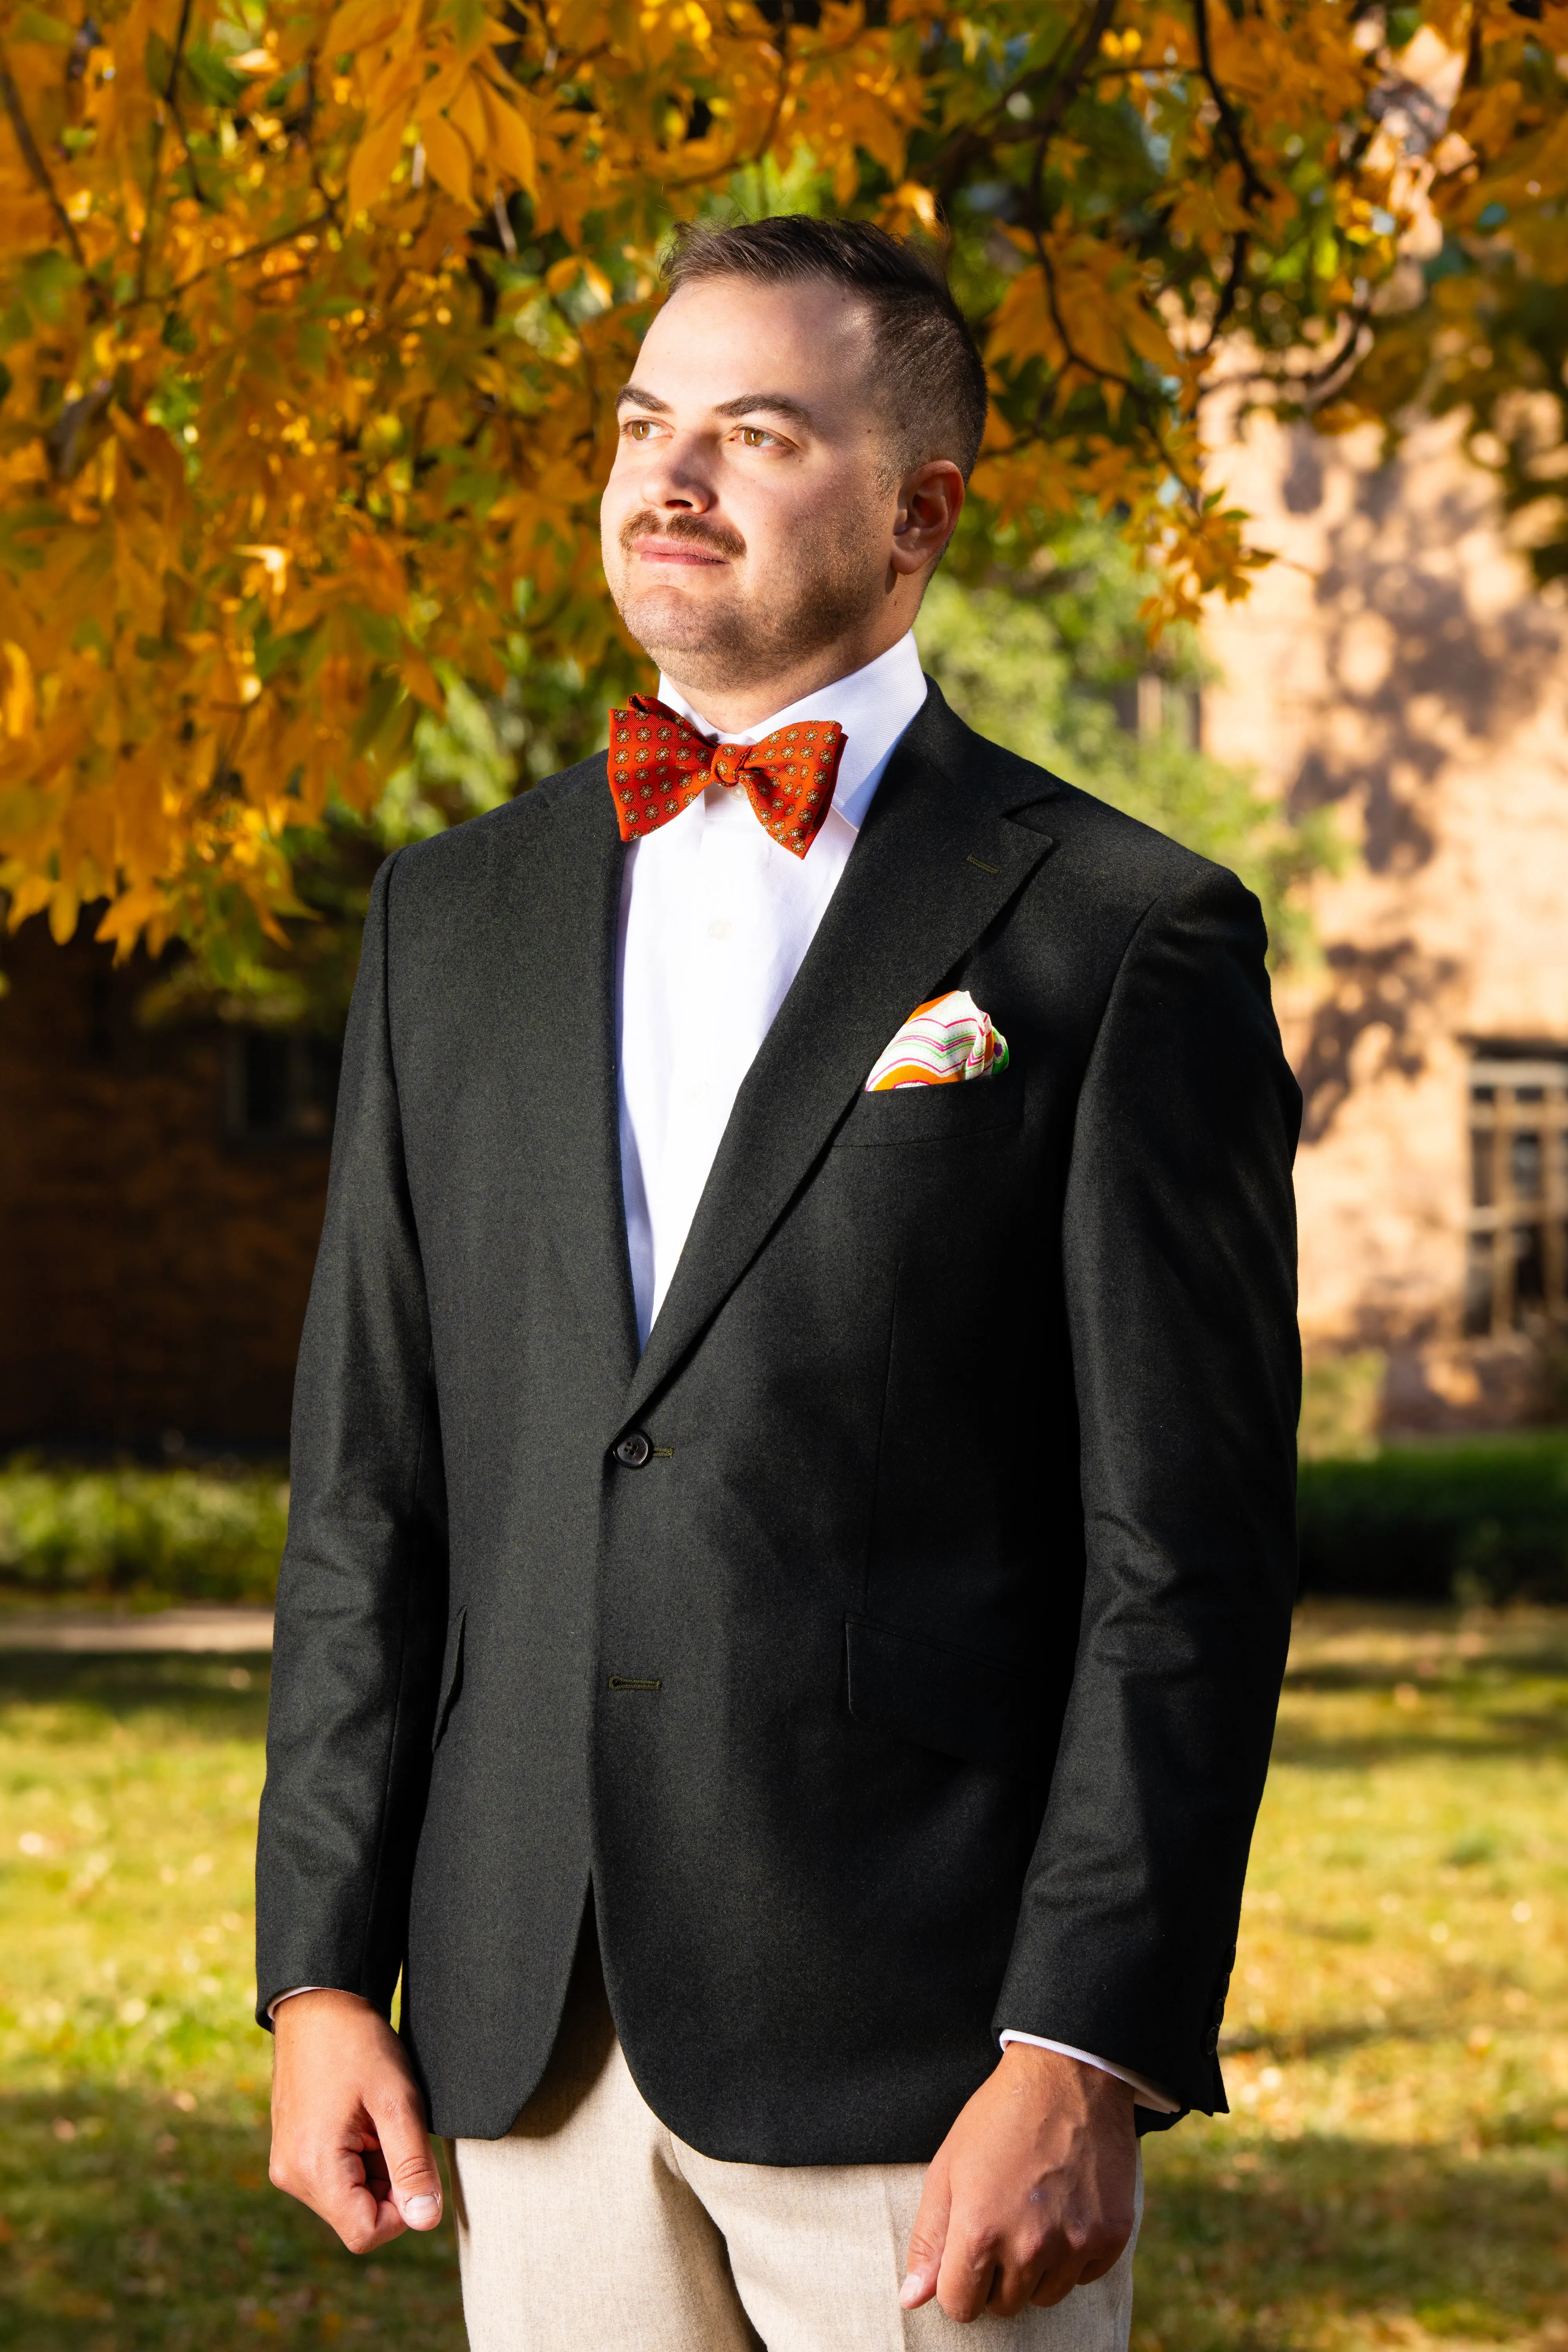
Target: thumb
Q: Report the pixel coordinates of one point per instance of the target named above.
(414, 2183)
(928, 2237)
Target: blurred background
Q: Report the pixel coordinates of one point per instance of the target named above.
(1395, 2168)
(1368, 727)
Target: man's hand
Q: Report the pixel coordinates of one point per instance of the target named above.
(349, 2136)
(1031, 2192)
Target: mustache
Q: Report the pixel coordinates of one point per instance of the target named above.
(717, 537)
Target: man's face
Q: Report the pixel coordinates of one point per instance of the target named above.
(747, 521)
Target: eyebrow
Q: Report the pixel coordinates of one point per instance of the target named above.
(745, 404)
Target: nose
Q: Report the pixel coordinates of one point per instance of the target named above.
(674, 479)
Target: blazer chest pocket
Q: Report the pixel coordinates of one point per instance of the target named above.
(451, 1679)
(946, 1698)
(938, 1114)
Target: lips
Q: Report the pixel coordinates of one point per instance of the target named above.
(671, 551)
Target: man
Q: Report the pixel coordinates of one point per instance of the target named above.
(792, 1541)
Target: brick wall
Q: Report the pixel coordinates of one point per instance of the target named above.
(154, 1273)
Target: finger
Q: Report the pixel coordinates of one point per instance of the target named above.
(1105, 2258)
(924, 2260)
(1066, 2267)
(414, 2185)
(968, 2270)
(337, 2180)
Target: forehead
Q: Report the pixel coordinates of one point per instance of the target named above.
(724, 336)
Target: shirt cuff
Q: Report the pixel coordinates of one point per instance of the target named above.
(274, 2006)
(1149, 2094)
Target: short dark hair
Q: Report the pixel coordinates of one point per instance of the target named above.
(923, 356)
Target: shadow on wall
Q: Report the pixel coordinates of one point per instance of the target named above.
(1375, 1017)
(1405, 653)
(1413, 672)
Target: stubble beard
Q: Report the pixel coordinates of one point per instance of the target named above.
(824, 586)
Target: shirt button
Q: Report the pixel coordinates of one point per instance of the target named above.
(633, 1450)
(718, 931)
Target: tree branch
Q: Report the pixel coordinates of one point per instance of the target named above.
(171, 95)
(1063, 76)
(1240, 248)
(233, 260)
(34, 162)
(1255, 188)
(1328, 377)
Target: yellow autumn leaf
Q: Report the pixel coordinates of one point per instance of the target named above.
(509, 140)
(374, 160)
(465, 110)
(448, 158)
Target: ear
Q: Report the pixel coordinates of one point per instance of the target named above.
(929, 501)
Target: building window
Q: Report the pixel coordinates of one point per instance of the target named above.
(1151, 707)
(1517, 1277)
(279, 1087)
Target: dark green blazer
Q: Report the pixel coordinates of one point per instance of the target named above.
(894, 1646)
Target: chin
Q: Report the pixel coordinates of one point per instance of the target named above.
(667, 622)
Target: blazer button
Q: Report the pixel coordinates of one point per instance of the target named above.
(633, 1450)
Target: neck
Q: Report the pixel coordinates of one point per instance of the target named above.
(730, 704)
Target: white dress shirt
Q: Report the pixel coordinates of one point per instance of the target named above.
(715, 922)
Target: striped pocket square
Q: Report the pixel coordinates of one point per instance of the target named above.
(941, 1042)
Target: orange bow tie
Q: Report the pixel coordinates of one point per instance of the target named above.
(659, 764)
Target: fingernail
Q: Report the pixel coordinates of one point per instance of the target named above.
(910, 2289)
(420, 2209)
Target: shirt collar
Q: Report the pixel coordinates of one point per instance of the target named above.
(873, 706)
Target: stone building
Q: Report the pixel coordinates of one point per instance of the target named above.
(1397, 664)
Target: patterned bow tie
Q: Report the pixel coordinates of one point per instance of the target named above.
(659, 764)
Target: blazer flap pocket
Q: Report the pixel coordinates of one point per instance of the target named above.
(946, 1698)
(451, 1677)
(935, 1114)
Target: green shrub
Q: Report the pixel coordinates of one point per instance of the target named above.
(188, 1535)
(1467, 1519)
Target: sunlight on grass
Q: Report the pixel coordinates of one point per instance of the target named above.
(1395, 2171)
(134, 2210)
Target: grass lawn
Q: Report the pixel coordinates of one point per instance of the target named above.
(1395, 2171)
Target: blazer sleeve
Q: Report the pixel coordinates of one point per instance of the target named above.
(362, 1599)
(1179, 1271)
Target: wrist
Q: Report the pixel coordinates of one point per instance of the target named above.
(1025, 2063)
(319, 2001)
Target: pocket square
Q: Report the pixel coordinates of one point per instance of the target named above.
(942, 1042)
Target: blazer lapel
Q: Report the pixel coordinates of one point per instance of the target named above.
(937, 861)
(562, 905)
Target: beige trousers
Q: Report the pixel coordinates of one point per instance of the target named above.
(591, 2228)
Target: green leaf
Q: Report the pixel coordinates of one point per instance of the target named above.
(44, 280)
(377, 631)
(32, 25)
(385, 693)
(177, 335)
(216, 82)
(157, 63)
(467, 21)
(271, 653)
(17, 554)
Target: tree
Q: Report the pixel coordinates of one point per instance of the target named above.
(309, 322)
(1052, 660)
